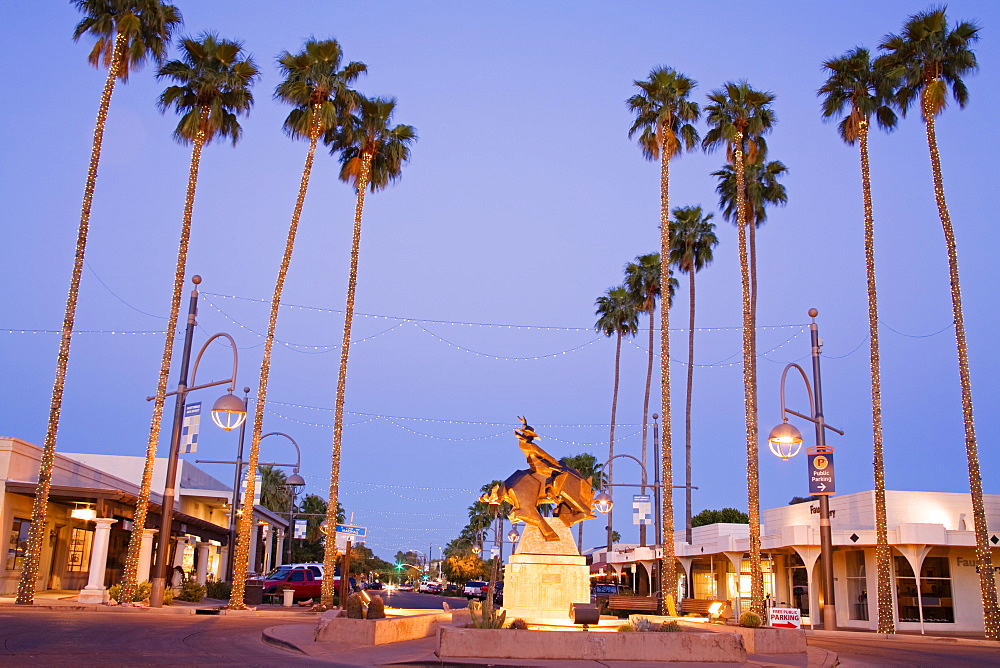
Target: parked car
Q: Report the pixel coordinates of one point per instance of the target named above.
(315, 566)
(404, 587)
(476, 589)
(302, 581)
(424, 586)
(599, 594)
(498, 593)
(434, 587)
(374, 585)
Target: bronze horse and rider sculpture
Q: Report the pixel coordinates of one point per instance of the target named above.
(546, 482)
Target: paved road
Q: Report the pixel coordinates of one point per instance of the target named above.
(903, 650)
(78, 638)
(412, 599)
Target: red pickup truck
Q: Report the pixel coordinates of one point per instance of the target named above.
(302, 580)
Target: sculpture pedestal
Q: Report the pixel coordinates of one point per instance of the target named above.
(544, 578)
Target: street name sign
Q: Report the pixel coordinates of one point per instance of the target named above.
(352, 530)
(821, 473)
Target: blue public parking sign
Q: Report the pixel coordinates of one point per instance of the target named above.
(821, 473)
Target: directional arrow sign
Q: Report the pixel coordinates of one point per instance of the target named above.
(821, 473)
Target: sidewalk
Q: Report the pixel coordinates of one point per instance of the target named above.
(67, 600)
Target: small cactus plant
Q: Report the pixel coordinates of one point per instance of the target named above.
(485, 616)
(376, 609)
(518, 625)
(750, 620)
(671, 627)
(355, 607)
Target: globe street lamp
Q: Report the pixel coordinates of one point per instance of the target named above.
(785, 440)
(228, 412)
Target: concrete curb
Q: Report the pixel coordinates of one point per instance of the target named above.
(926, 639)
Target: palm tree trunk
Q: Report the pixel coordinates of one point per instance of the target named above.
(750, 391)
(883, 553)
(611, 438)
(687, 415)
(645, 402)
(139, 520)
(668, 567)
(329, 555)
(991, 612)
(242, 548)
(39, 508)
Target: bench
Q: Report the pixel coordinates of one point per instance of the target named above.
(702, 606)
(636, 603)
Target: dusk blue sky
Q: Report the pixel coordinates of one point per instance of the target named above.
(523, 201)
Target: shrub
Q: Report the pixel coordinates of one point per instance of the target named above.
(168, 596)
(376, 609)
(142, 591)
(642, 624)
(355, 608)
(519, 625)
(671, 627)
(625, 628)
(219, 590)
(191, 591)
(750, 619)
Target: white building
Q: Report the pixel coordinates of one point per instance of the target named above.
(936, 584)
(90, 510)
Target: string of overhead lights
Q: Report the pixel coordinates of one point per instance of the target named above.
(85, 331)
(394, 422)
(724, 363)
(458, 323)
(446, 421)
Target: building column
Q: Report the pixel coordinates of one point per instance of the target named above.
(202, 559)
(279, 555)
(145, 555)
(254, 542)
(268, 547)
(95, 592)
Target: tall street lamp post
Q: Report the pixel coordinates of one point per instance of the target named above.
(294, 483)
(228, 413)
(785, 440)
(603, 503)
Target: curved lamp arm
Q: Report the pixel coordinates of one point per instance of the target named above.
(194, 370)
(298, 453)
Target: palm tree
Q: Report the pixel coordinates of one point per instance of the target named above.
(692, 238)
(618, 316)
(664, 117)
(642, 278)
(274, 492)
(761, 189)
(212, 87)
(857, 90)
(931, 57)
(586, 465)
(739, 117)
(128, 33)
(372, 154)
(318, 90)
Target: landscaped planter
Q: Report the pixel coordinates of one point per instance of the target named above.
(332, 628)
(454, 642)
(764, 639)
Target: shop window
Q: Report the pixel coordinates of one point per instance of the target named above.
(18, 545)
(78, 558)
(745, 579)
(931, 598)
(857, 585)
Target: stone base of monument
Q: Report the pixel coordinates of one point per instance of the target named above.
(495, 644)
(544, 578)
